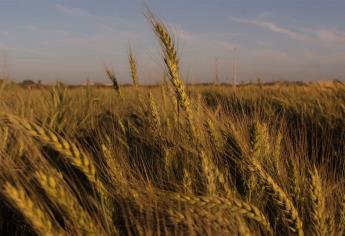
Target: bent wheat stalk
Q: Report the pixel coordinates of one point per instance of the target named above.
(112, 78)
(68, 149)
(289, 211)
(217, 221)
(58, 194)
(234, 205)
(33, 213)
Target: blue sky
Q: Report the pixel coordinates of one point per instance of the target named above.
(272, 39)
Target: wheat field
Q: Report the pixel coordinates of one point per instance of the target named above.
(172, 159)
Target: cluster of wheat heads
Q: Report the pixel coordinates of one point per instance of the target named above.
(220, 164)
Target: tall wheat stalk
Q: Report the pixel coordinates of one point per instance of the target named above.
(133, 67)
(172, 66)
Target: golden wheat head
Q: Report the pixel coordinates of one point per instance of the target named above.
(33, 213)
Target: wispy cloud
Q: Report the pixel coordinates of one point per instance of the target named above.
(80, 13)
(328, 35)
(34, 29)
(106, 25)
(274, 28)
(102, 40)
(77, 12)
(201, 39)
(28, 51)
(311, 35)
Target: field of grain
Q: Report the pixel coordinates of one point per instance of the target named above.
(256, 159)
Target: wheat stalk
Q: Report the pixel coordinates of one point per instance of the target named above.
(208, 167)
(341, 223)
(317, 204)
(57, 193)
(172, 65)
(183, 217)
(243, 229)
(233, 205)
(289, 211)
(276, 153)
(37, 217)
(133, 66)
(330, 225)
(119, 175)
(213, 135)
(4, 137)
(297, 195)
(67, 148)
(112, 78)
(257, 142)
(156, 122)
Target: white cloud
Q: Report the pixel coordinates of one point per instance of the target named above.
(274, 28)
(105, 27)
(328, 35)
(202, 40)
(77, 12)
(46, 31)
(311, 35)
(30, 51)
(101, 40)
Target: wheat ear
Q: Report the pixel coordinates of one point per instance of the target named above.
(289, 211)
(213, 135)
(317, 204)
(67, 148)
(258, 142)
(156, 122)
(208, 169)
(37, 217)
(172, 65)
(4, 137)
(133, 66)
(112, 78)
(243, 229)
(57, 193)
(182, 217)
(217, 204)
(330, 224)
